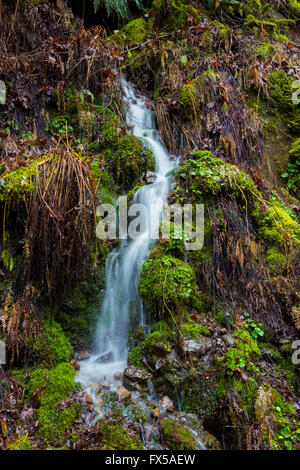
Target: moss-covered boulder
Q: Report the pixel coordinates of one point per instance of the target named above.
(115, 437)
(204, 177)
(189, 101)
(167, 283)
(177, 437)
(51, 346)
(129, 161)
(53, 386)
(173, 14)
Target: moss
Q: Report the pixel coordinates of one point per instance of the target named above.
(189, 101)
(136, 30)
(51, 346)
(280, 90)
(194, 330)
(115, 437)
(277, 227)
(243, 353)
(294, 8)
(21, 443)
(58, 383)
(205, 176)
(165, 279)
(18, 184)
(275, 258)
(159, 338)
(77, 310)
(174, 14)
(177, 437)
(129, 161)
(135, 357)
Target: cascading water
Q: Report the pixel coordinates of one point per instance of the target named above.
(123, 265)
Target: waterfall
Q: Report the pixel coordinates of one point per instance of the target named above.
(124, 264)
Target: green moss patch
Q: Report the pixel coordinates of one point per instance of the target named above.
(177, 437)
(56, 385)
(115, 437)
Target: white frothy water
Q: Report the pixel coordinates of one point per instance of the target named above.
(123, 265)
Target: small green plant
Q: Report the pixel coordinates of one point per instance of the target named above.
(58, 125)
(7, 259)
(117, 7)
(255, 329)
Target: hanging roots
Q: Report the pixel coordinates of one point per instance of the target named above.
(18, 325)
(60, 232)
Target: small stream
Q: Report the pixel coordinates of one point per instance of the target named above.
(121, 297)
(124, 264)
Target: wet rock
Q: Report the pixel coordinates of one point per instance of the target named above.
(118, 375)
(229, 339)
(104, 358)
(76, 365)
(150, 177)
(133, 374)
(199, 346)
(99, 390)
(166, 403)
(124, 395)
(208, 440)
(82, 355)
(88, 400)
(105, 385)
(156, 412)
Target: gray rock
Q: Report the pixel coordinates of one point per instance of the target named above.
(166, 403)
(229, 339)
(151, 177)
(199, 346)
(82, 356)
(136, 375)
(104, 358)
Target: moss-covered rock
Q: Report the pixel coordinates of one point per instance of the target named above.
(115, 437)
(18, 184)
(189, 101)
(165, 280)
(173, 14)
(280, 90)
(205, 176)
(129, 161)
(52, 346)
(55, 385)
(277, 226)
(177, 437)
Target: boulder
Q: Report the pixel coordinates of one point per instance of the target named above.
(198, 347)
(104, 358)
(133, 374)
(166, 403)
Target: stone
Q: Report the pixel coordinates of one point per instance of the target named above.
(229, 339)
(105, 385)
(150, 177)
(166, 403)
(82, 356)
(156, 412)
(136, 375)
(124, 394)
(88, 400)
(199, 346)
(99, 390)
(104, 358)
(118, 375)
